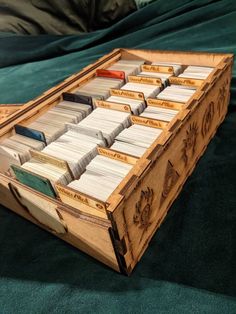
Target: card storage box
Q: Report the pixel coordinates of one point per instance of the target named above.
(117, 232)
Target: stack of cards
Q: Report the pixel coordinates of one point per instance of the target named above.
(177, 67)
(101, 177)
(15, 150)
(163, 76)
(147, 89)
(29, 143)
(136, 139)
(136, 106)
(109, 122)
(75, 148)
(178, 93)
(197, 72)
(159, 113)
(52, 125)
(129, 67)
(53, 173)
(98, 88)
(77, 109)
(127, 148)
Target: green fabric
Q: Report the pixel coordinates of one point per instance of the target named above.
(142, 3)
(61, 17)
(189, 265)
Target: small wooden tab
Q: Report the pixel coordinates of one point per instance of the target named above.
(114, 154)
(157, 68)
(79, 197)
(153, 123)
(185, 81)
(145, 80)
(111, 74)
(127, 94)
(112, 105)
(164, 103)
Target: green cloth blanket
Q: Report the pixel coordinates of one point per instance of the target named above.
(189, 266)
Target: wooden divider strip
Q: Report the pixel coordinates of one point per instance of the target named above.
(153, 123)
(164, 103)
(114, 154)
(113, 106)
(145, 80)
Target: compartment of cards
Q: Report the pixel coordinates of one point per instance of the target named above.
(39, 131)
(114, 76)
(61, 161)
(172, 99)
(100, 179)
(105, 173)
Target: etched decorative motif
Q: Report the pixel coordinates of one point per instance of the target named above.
(208, 118)
(190, 142)
(6, 110)
(221, 98)
(143, 210)
(171, 177)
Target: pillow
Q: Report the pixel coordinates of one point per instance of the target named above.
(61, 17)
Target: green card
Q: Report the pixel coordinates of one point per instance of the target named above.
(34, 181)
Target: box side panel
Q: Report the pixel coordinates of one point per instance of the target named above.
(141, 212)
(86, 232)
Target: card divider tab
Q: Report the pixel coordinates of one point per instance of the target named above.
(115, 74)
(117, 155)
(185, 81)
(157, 68)
(46, 158)
(80, 197)
(153, 123)
(113, 106)
(175, 105)
(31, 133)
(145, 80)
(127, 94)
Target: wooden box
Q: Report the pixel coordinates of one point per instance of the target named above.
(118, 231)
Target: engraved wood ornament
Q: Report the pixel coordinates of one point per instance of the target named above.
(171, 177)
(221, 98)
(143, 210)
(189, 142)
(208, 119)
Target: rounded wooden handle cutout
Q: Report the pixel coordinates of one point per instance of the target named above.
(42, 211)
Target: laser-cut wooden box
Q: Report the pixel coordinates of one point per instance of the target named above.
(117, 232)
